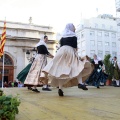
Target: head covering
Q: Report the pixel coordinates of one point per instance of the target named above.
(96, 60)
(69, 31)
(41, 42)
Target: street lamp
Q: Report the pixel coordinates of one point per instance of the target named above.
(28, 54)
(34, 52)
(31, 53)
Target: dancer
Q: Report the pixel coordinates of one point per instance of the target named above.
(34, 75)
(116, 73)
(97, 76)
(66, 64)
(23, 74)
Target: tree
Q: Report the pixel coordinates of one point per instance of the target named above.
(108, 66)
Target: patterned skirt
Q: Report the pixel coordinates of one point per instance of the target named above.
(33, 77)
(66, 66)
(96, 78)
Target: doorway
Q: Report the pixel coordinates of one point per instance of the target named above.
(8, 69)
(6, 79)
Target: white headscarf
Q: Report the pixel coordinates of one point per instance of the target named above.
(69, 31)
(41, 42)
(96, 60)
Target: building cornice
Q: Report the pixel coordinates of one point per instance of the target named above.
(98, 29)
(34, 25)
(27, 38)
(26, 47)
(32, 29)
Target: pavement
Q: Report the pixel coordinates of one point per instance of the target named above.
(94, 104)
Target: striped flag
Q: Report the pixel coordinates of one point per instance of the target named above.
(3, 40)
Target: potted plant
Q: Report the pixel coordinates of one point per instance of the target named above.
(8, 107)
(1, 92)
(108, 69)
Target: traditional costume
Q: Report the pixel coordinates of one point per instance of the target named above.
(116, 73)
(97, 76)
(66, 64)
(23, 74)
(34, 75)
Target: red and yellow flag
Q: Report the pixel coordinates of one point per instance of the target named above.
(3, 40)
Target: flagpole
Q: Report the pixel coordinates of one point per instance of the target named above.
(3, 72)
(3, 63)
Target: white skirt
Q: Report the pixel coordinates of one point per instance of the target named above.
(66, 66)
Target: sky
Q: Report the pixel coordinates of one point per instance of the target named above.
(55, 13)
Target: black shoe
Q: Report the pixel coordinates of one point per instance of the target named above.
(35, 90)
(82, 87)
(98, 87)
(117, 86)
(46, 89)
(60, 92)
(29, 88)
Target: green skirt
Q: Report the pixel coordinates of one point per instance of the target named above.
(23, 74)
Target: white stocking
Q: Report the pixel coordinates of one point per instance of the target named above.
(79, 78)
(117, 82)
(60, 84)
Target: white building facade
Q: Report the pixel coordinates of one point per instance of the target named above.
(22, 38)
(97, 36)
(118, 25)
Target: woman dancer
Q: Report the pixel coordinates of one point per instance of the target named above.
(33, 77)
(116, 71)
(23, 74)
(66, 64)
(97, 76)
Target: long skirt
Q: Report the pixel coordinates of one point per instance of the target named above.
(23, 74)
(74, 81)
(33, 77)
(65, 66)
(96, 78)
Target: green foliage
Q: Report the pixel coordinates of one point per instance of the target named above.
(108, 66)
(1, 92)
(9, 107)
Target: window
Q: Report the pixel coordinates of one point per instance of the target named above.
(100, 53)
(82, 26)
(99, 43)
(96, 25)
(83, 43)
(99, 34)
(118, 34)
(113, 44)
(107, 52)
(106, 34)
(111, 27)
(106, 43)
(113, 35)
(114, 54)
(7, 60)
(92, 33)
(82, 34)
(92, 52)
(92, 43)
(6, 71)
(103, 26)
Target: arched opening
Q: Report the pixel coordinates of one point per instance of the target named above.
(8, 68)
